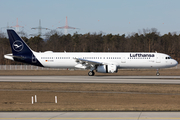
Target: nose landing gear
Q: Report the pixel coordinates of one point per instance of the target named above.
(157, 73)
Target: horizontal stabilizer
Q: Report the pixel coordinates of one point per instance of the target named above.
(11, 57)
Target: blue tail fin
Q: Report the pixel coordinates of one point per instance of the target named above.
(21, 51)
(18, 46)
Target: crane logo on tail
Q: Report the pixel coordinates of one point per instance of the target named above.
(17, 46)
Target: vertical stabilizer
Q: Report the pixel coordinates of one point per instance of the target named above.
(20, 50)
(18, 46)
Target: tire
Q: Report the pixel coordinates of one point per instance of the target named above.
(157, 74)
(91, 73)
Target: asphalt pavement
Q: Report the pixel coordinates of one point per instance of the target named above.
(94, 79)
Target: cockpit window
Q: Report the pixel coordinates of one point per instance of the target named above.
(168, 58)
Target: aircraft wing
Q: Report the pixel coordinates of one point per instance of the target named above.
(87, 64)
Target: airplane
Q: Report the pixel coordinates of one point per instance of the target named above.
(102, 62)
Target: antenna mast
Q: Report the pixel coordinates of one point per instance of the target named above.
(17, 26)
(40, 28)
(66, 27)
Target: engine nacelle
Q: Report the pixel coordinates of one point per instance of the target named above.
(107, 69)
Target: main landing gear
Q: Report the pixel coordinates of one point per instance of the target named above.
(91, 73)
(157, 73)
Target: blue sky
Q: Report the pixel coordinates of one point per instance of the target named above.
(108, 16)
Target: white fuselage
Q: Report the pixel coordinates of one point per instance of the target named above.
(121, 60)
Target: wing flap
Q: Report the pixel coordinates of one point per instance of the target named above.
(86, 64)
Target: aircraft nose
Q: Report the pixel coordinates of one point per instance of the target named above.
(175, 62)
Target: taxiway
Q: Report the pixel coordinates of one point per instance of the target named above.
(95, 79)
(90, 115)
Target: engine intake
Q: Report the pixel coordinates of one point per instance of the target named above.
(107, 69)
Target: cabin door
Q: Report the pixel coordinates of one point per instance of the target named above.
(123, 59)
(158, 58)
(34, 60)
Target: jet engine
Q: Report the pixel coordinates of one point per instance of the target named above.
(107, 69)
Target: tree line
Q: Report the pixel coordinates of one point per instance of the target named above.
(147, 40)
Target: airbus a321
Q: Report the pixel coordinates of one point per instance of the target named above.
(105, 62)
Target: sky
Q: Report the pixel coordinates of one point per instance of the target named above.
(90, 16)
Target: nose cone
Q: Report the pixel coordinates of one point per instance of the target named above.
(174, 63)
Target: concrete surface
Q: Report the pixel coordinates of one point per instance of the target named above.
(95, 79)
(90, 115)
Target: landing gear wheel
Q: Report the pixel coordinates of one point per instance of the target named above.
(157, 73)
(91, 73)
